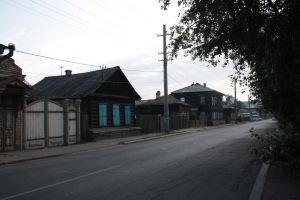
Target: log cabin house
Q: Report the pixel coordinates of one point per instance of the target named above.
(107, 99)
(13, 89)
(205, 102)
(156, 106)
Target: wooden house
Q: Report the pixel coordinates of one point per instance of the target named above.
(156, 106)
(12, 100)
(204, 101)
(149, 114)
(107, 99)
(229, 114)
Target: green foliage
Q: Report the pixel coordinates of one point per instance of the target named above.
(262, 35)
(282, 150)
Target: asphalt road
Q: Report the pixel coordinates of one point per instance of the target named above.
(213, 164)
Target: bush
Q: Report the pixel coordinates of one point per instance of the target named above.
(280, 149)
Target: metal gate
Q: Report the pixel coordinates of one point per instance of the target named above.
(7, 129)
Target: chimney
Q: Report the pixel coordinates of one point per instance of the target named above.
(157, 94)
(68, 72)
(204, 84)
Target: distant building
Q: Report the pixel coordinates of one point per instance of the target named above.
(156, 106)
(229, 113)
(204, 101)
(149, 114)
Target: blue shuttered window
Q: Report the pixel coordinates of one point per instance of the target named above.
(116, 115)
(127, 115)
(102, 115)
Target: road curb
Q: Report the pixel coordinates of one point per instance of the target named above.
(176, 132)
(46, 156)
(150, 138)
(258, 187)
(29, 159)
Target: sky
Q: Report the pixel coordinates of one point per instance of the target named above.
(103, 33)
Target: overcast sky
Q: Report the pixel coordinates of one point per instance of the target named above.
(101, 32)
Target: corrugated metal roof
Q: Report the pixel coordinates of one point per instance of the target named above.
(72, 86)
(194, 88)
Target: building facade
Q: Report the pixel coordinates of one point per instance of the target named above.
(107, 98)
(204, 101)
(13, 89)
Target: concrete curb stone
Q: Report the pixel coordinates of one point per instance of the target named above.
(258, 187)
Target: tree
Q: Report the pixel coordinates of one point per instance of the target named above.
(262, 35)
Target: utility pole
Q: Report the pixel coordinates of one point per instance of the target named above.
(235, 102)
(61, 67)
(165, 64)
(249, 102)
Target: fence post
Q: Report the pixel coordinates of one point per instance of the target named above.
(23, 134)
(46, 121)
(66, 121)
(77, 104)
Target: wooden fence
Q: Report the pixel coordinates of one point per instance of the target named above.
(154, 123)
(149, 123)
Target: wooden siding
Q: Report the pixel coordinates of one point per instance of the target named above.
(118, 85)
(159, 109)
(44, 125)
(93, 110)
(194, 99)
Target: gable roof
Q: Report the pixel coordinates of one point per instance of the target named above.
(160, 101)
(195, 88)
(8, 67)
(73, 86)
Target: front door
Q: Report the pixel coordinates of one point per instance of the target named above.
(7, 129)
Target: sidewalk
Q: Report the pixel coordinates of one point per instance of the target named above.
(281, 185)
(25, 155)
(19, 156)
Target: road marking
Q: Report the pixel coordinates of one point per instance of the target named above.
(61, 182)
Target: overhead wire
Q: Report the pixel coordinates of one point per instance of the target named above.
(79, 63)
(182, 85)
(107, 9)
(74, 20)
(71, 15)
(34, 11)
(87, 12)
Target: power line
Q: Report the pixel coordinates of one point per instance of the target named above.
(92, 14)
(53, 19)
(71, 15)
(187, 97)
(107, 9)
(78, 63)
(62, 13)
(58, 59)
